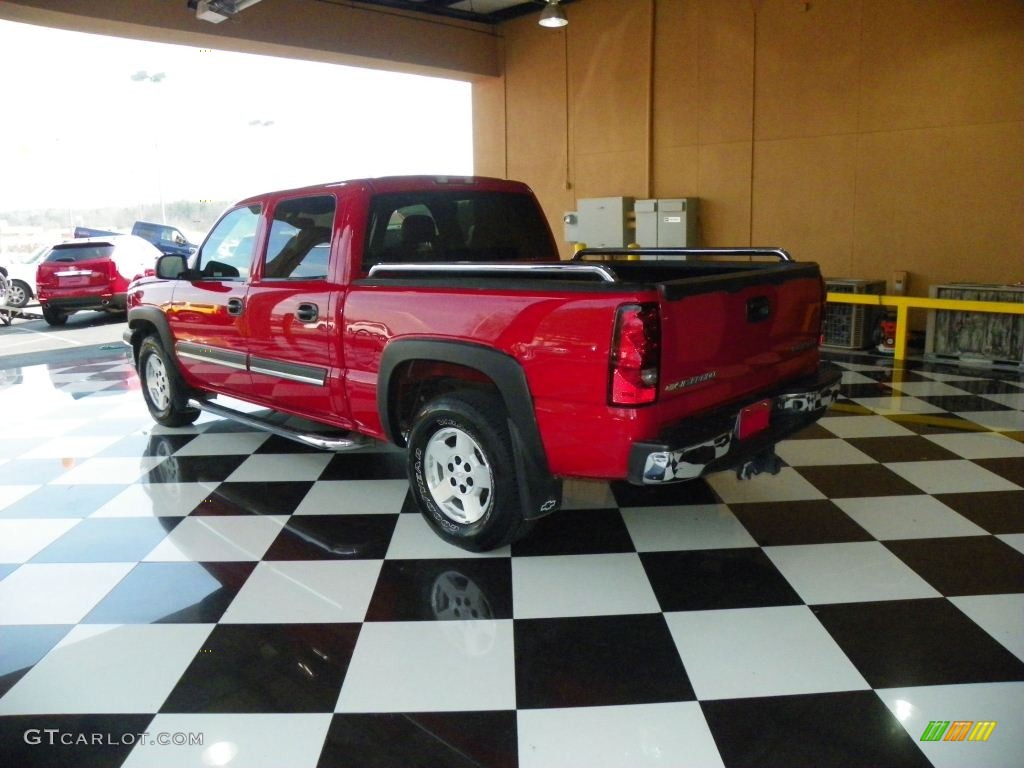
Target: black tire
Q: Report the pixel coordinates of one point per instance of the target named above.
(18, 293)
(55, 317)
(482, 510)
(162, 387)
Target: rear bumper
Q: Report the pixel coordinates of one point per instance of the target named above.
(710, 442)
(65, 303)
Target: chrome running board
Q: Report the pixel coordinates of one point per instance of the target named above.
(306, 438)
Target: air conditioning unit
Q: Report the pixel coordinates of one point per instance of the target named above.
(851, 326)
(976, 337)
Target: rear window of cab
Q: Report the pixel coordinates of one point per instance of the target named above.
(72, 252)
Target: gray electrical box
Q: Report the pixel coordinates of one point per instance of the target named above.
(677, 223)
(646, 223)
(603, 221)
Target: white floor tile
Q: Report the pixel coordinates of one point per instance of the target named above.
(12, 493)
(106, 471)
(1015, 540)
(212, 538)
(236, 740)
(1002, 616)
(1001, 421)
(57, 593)
(438, 666)
(927, 388)
(1012, 399)
(700, 526)
(580, 585)
(852, 377)
(760, 652)
(980, 445)
(108, 668)
(950, 476)
(823, 452)
(863, 426)
(413, 539)
(305, 592)
(915, 708)
(587, 494)
(272, 467)
(907, 517)
(654, 735)
(897, 404)
(229, 444)
(156, 500)
(69, 446)
(850, 572)
(354, 497)
(788, 485)
(21, 540)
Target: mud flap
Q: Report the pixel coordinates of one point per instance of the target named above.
(765, 461)
(540, 494)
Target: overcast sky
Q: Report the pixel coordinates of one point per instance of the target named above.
(88, 121)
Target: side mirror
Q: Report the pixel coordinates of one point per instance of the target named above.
(171, 267)
(179, 239)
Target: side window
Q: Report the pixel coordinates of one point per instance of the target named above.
(299, 245)
(227, 252)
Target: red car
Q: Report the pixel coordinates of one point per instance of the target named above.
(91, 273)
(433, 312)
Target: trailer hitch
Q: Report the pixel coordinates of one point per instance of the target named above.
(765, 461)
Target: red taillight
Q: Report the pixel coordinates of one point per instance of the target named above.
(111, 269)
(636, 352)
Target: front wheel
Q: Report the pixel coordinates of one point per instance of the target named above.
(462, 471)
(55, 317)
(162, 386)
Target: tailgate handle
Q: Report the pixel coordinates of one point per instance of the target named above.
(235, 307)
(758, 308)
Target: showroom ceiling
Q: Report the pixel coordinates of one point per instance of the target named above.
(486, 11)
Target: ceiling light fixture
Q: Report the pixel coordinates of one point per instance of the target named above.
(553, 16)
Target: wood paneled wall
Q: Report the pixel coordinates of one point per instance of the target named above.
(867, 135)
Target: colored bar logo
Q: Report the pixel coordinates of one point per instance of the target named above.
(958, 730)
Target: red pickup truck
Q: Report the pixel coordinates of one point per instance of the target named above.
(433, 313)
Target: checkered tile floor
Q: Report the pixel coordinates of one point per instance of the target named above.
(291, 608)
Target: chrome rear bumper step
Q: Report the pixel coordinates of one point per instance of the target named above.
(313, 439)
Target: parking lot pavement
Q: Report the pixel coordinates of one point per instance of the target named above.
(32, 341)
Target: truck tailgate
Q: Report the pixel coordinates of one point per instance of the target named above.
(725, 337)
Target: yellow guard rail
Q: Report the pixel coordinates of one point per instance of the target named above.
(904, 304)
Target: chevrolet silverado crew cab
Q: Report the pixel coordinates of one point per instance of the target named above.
(434, 313)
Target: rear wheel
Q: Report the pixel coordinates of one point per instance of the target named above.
(462, 471)
(54, 316)
(162, 387)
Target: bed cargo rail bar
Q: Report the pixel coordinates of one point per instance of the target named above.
(566, 269)
(779, 253)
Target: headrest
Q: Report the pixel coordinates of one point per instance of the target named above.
(418, 229)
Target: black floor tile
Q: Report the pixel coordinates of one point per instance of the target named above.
(19, 734)
(856, 480)
(935, 423)
(577, 532)
(817, 521)
(276, 498)
(172, 593)
(278, 444)
(387, 465)
(267, 668)
(964, 403)
(1010, 468)
(901, 643)
(422, 740)
(597, 661)
(812, 432)
(877, 389)
(964, 565)
(907, 448)
(62, 501)
(691, 492)
(146, 445)
(900, 375)
(195, 469)
(22, 646)
(108, 540)
(988, 387)
(459, 589)
(851, 729)
(333, 537)
(710, 579)
(995, 511)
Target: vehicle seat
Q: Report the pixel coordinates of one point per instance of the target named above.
(419, 238)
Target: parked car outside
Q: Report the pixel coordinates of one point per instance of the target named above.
(20, 270)
(91, 273)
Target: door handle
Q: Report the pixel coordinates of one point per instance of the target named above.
(307, 312)
(235, 307)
